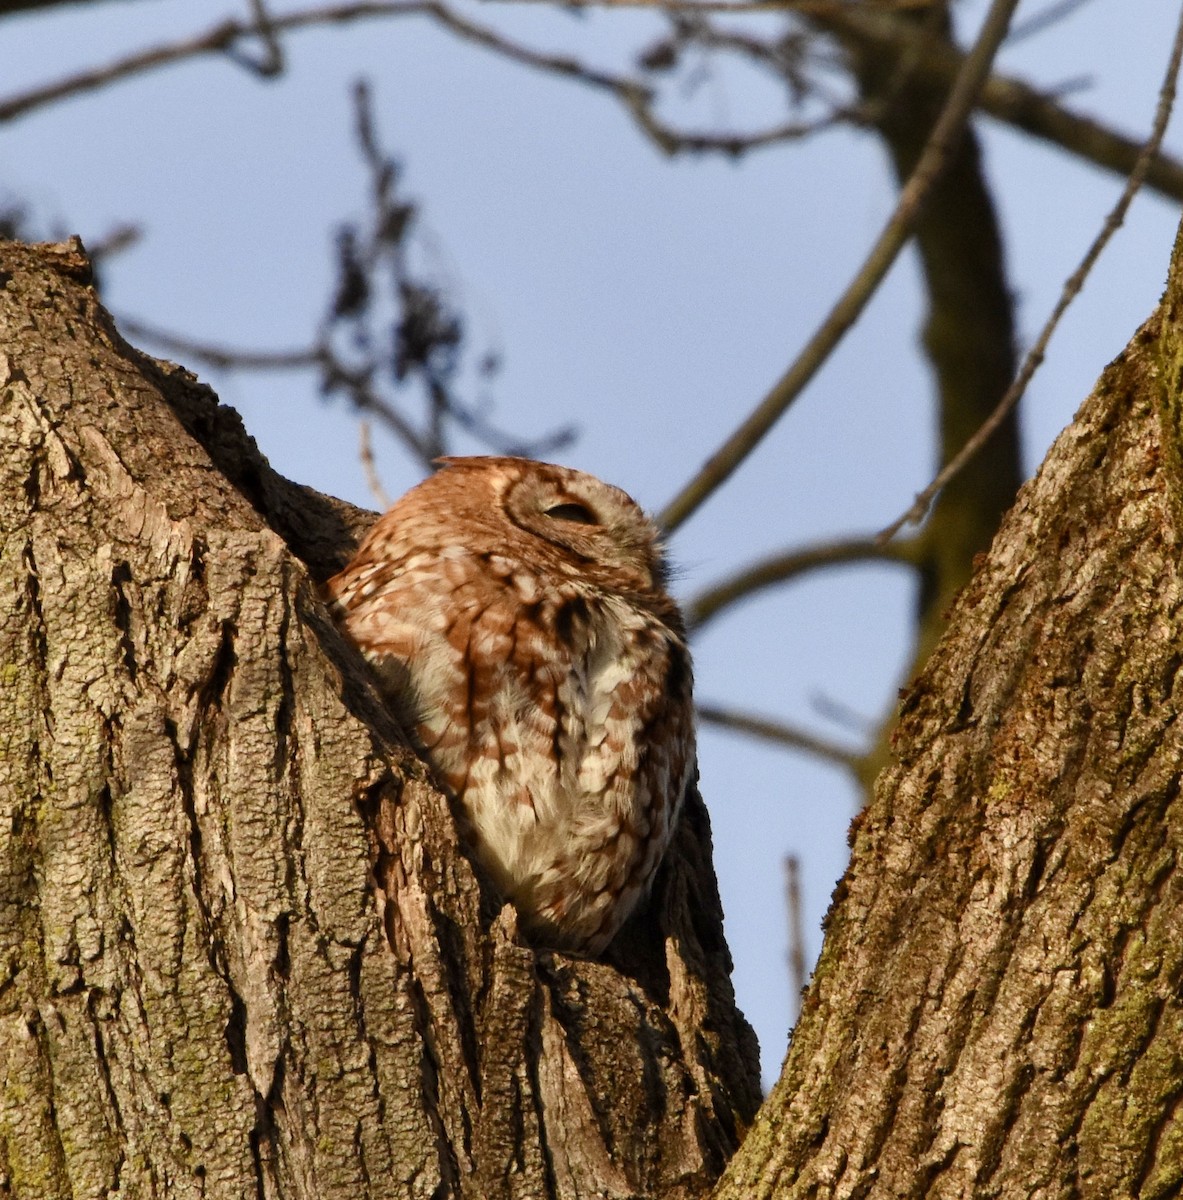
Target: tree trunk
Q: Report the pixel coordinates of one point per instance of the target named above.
(203, 992)
(998, 1010)
(243, 955)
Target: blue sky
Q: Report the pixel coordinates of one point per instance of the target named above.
(650, 302)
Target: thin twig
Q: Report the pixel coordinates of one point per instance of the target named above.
(271, 64)
(796, 954)
(216, 40)
(634, 94)
(937, 152)
(781, 734)
(335, 374)
(338, 376)
(365, 452)
(726, 7)
(1009, 100)
(674, 141)
(781, 568)
(837, 713)
(1004, 98)
(222, 357)
(1072, 288)
(117, 239)
(1038, 22)
(559, 64)
(222, 38)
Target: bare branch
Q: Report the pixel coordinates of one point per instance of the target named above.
(796, 954)
(335, 374)
(221, 357)
(741, 7)
(387, 326)
(10, 8)
(672, 141)
(1011, 100)
(1072, 288)
(1006, 99)
(224, 37)
(272, 61)
(217, 40)
(781, 568)
(635, 95)
(357, 386)
(898, 229)
(120, 237)
(780, 733)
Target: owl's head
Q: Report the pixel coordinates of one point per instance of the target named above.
(559, 519)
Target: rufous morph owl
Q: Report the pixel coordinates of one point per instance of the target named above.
(517, 616)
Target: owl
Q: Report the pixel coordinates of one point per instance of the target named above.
(516, 615)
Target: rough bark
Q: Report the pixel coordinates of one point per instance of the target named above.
(998, 1010)
(242, 954)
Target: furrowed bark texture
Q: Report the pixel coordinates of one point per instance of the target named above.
(998, 1010)
(202, 991)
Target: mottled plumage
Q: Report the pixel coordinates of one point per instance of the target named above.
(517, 616)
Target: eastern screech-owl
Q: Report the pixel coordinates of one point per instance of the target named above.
(517, 612)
